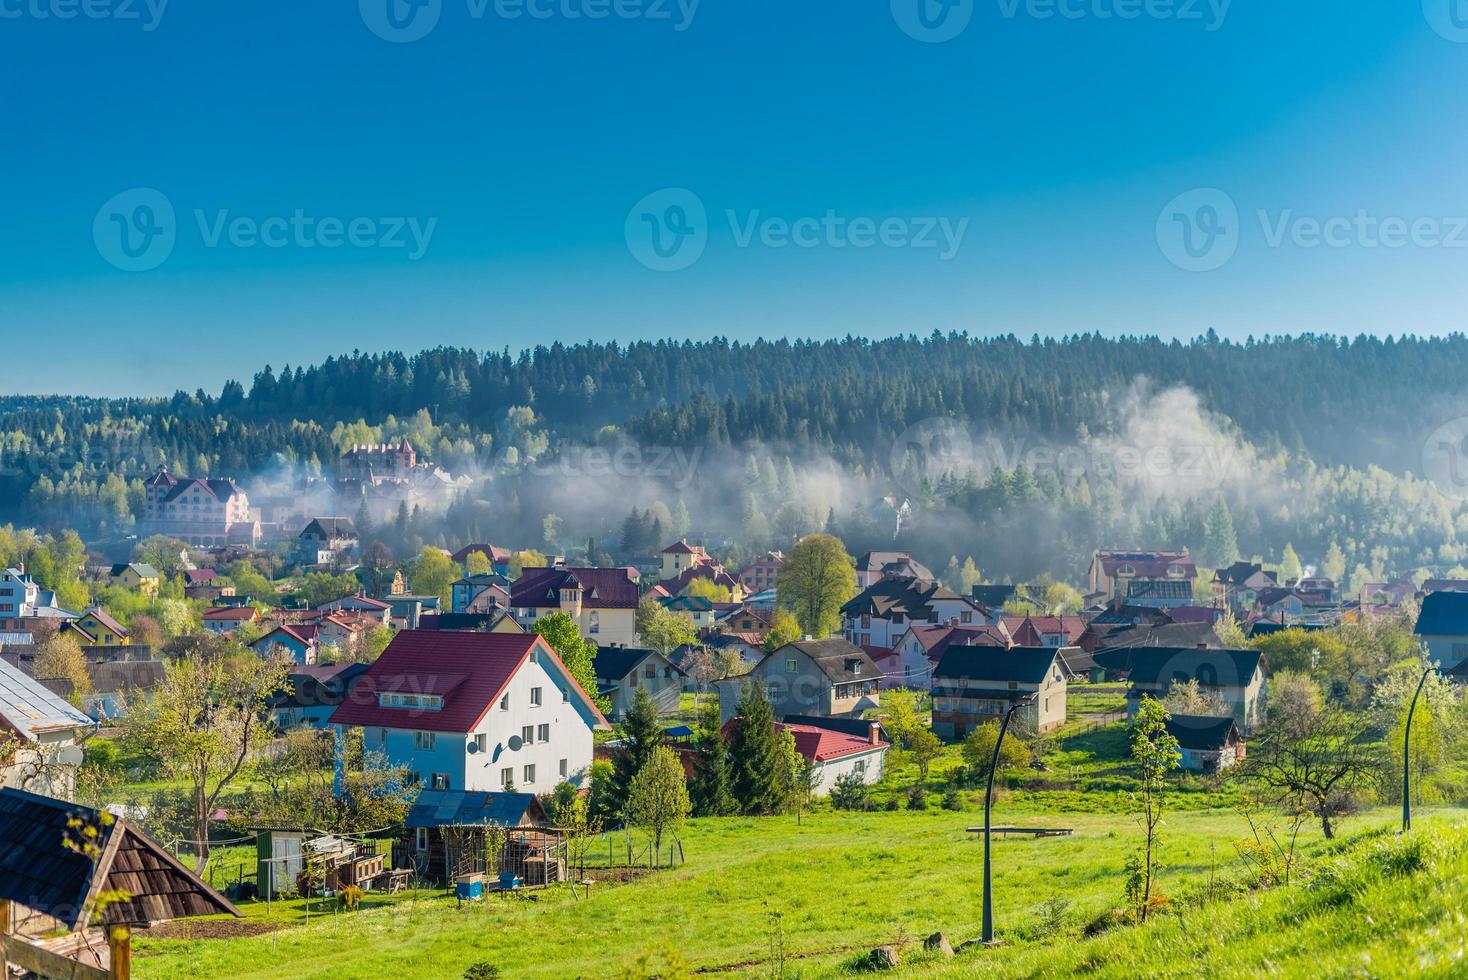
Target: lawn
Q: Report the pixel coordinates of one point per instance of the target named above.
(839, 883)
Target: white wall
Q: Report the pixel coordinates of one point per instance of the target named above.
(871, 763)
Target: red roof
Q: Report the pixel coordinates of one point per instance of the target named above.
(678, 548)
(225, 613)
(823, 745)
(470, 670)
(602, 588)
(198, 576)
(1148, 564)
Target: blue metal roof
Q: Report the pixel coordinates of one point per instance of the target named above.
(458, 808)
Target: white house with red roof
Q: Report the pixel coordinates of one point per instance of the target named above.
(847, 748)
(227, 619)
(360, 603)
(475, 711)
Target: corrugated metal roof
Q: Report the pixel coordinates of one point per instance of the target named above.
(457, 808)
(31, 708)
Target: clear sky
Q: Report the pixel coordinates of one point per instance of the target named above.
(995, 166)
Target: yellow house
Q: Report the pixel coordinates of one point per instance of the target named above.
(98, 629)
(138, 577)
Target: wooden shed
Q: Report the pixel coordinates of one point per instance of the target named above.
(41, 871)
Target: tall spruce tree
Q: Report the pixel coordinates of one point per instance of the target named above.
(710, 787)
(641, 733)
(754, 754)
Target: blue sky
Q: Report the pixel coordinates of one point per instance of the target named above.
(1049, 146)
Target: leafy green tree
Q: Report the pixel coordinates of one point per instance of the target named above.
(850, 792)
(925, 747)
(707, 588)
(978, 750)
(1220, 544)
(1289, 564)
(1334, 566)
(319, 588)
(61, 658)
(754, 754)
(784, 628)
(657, 797)
(432, 573)
(640, 733)
(816, 580)
(477, 563)
(1155, 753)
(799, 776)
(710, 787)
(578, 654)
(900, 716)
(661, 630)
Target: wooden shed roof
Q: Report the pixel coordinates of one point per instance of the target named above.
(39, 871)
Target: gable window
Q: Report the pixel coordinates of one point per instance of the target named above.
(481, 742)
(897, 619)
(595, 626)
(565, 695)
(535, 697)
(790, 666)
(529, 775)
(650, 672)
(505, 703)
(965, 617)
(543, 733)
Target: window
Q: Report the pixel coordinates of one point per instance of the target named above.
(543, 733)
(866, 621)
(529, 775)
(440, 780)
(527, 734)
(564, 769)
(505, 703)
(897, 619)
(790, 666)
(595, 626)
(535, 697)
(424, 741)
(481, 742)
(565, 694)
(507, 778)
(420, 838)
(650, 672)
(965, 617)
(859, 767)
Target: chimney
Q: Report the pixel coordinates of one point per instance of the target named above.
(876, 733)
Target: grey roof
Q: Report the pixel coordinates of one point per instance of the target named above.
(1204, 733)
(1161, 665)
(1443, 614)
(615, 663)
(458, 808)
(1024, 665)
(831, 655)
(32, 709)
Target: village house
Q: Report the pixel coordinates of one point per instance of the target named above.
(910, 664)
(683, 564)
(137, 577)
(483, 593)
(475, 711)
(120, 687)
(326, 541)
(973, 685)
(1442, 626)
(96, 628)
(40, 736)
(620, 671)
(882, 613)
(500, 559)
(1044, 631)
(375, 609)
(829, 678)
(23, 603)
(226, 619)
(1235, 678)
(601, 601)
(697, 610)
(873, 566)
(203, 512)
(313, 694)
(760, 574)
(833, 752)
(1143, 578)
(205, 585)
(298, 641)
(1237, 587)
(1208, 744)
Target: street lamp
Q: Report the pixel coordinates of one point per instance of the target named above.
(988, 937)
(1407, 757)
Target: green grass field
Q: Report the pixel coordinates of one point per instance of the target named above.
(840, 883)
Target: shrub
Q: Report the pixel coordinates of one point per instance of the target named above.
(350, 897)
(953, 800)
(1051, 915)
(850, 792)
(1106, 921)
(482, 970)
(917, 798)
(893, 803)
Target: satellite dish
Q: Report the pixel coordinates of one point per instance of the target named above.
(70, 756)
(515, 743)
(472, 747)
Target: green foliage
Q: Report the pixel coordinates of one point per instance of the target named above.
(784, 629)
(710, 790)
(978, 750)
(850, 792)
(657, 798)
(816, 580)
(432, 573)
(578, 654)
(754, 754)
(662, 630)
(641, 734)
(319, 588)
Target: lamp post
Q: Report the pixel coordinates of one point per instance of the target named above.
(1407, 757)
(988, 937)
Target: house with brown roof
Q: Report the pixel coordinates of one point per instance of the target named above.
(227, 619)
(97, 628)
(601, 601)
(833, 752)
(827, 677)
(760, 574)
(873, 566)
(882, 613)
(204, 512)
(1143, 578)
(477, 712)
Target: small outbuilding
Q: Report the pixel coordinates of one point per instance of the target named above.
(1208, 743)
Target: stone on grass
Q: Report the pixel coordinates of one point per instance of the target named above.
(884, 958)
(939, 942)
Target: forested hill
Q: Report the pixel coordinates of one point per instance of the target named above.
(1320, 434)
(1341, 401)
